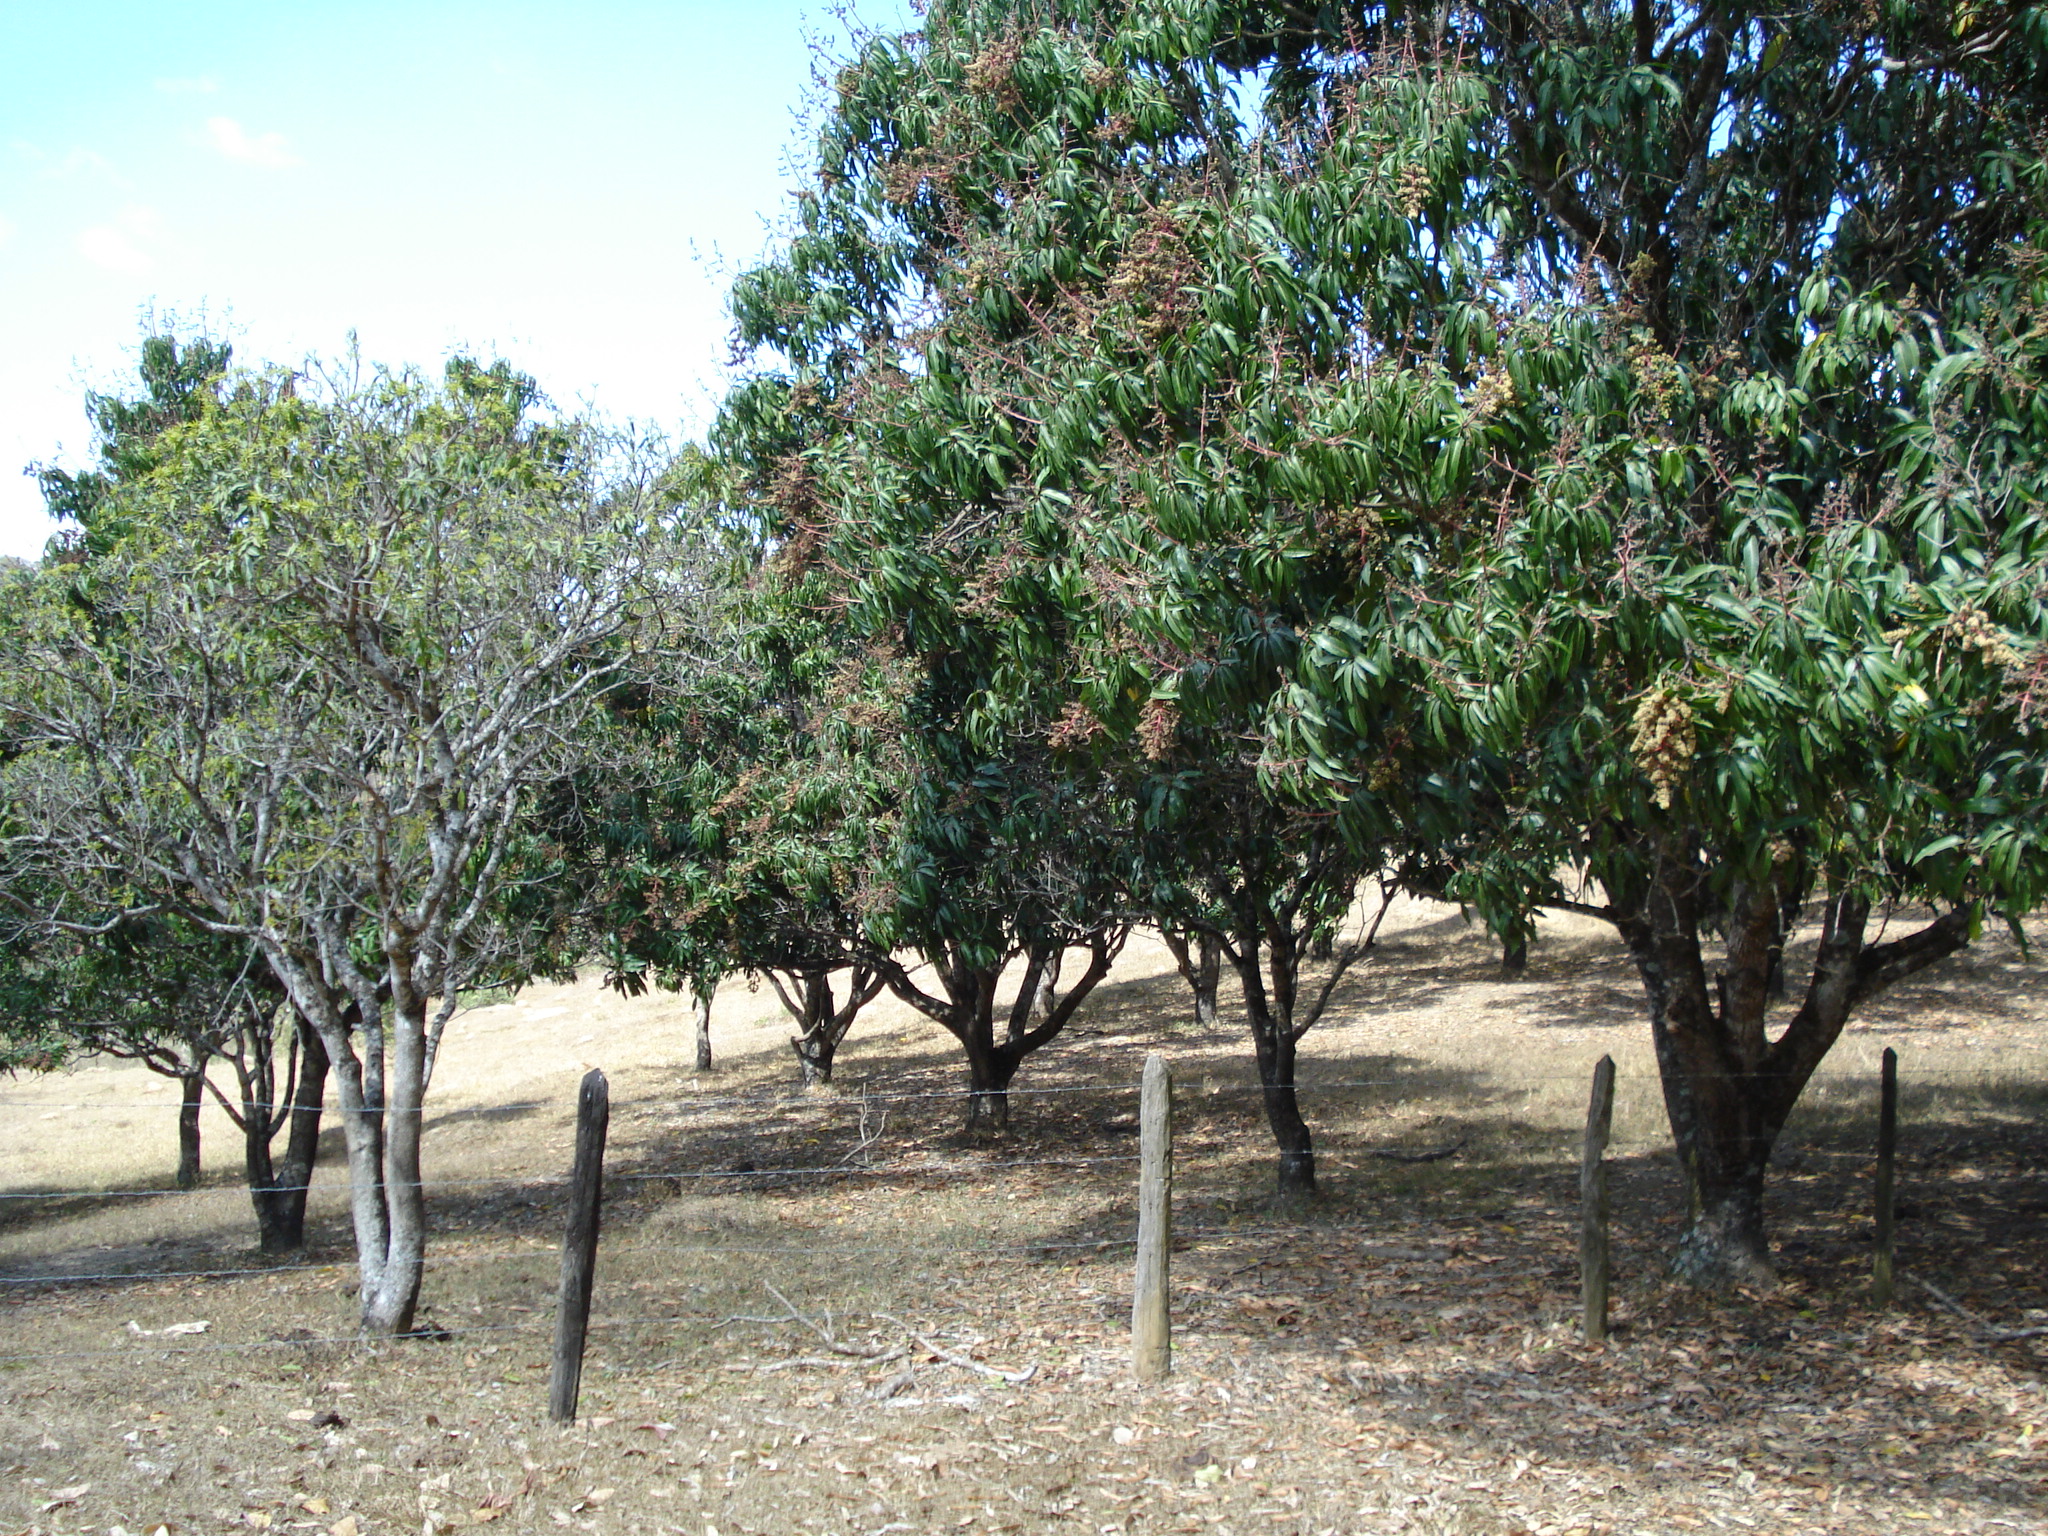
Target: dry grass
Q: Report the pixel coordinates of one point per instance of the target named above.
(1400, 1356)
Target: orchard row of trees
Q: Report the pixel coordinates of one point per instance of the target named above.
(1192, 456)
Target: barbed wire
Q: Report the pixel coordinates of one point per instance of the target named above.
(1349, 1157)
(1186, 1075)
(1185, 1237)
(142, 1343)
(540, 1182)
(544, 1184)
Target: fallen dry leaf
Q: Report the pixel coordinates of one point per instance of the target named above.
(64, 1496)
(315, 1506)
(347, 1525)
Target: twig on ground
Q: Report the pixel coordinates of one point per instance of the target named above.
(857, 1351)
(1982, 1330)
(888, 1389)
(965, 1362)
(1421, 1157)
(866, 1139)
(834, 1363)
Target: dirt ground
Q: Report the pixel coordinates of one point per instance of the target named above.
(813, 1311)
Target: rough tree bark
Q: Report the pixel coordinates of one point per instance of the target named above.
(1270, 1015)
(1045, 997)
(191, 1098)
(1199, 959)
(1728, 1084)
(278, 1189)
(823, 1019)
(1266, 948)
(968, 1012)
(701, 995)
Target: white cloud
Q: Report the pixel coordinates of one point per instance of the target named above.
(237, 143)
(123, 245)
(187, 85)
(107, 247)
(74, 163)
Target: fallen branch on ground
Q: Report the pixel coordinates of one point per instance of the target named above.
(834, 1363)
(1422, 1157)
(965, 1362)
(1983, 1330)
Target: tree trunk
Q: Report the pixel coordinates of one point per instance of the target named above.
(816, 1046)
(1725, 1121)
(389, 1302)
(1208, 973)
(1514, 956)
(386, 1203)
(1045, 996)
(700, 1005)
(1273, 1044)
(990, 1067)
(191, 1096)
(280, 1195)
(1201, 966)
(1297, 1164)
(1729, 1086)
(380, 1080)
(1725, 1111)
(359, 1090)
(968, 1008)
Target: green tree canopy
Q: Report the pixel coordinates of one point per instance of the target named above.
(1542, 438)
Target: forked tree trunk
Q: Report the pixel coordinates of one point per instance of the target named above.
(700, 1007)
(968, 1012)
(1273, 1046)
(392, 1295)
(990, 1068)
(1200, 964)
(814, 1046)
(823, 1019)
(278, 1191)
(1729, 1086)
(378, 1091)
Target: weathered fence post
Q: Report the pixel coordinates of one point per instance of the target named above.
(1151, 1336)
(579, 1247)
(1593, 1203)
(1887, 1156)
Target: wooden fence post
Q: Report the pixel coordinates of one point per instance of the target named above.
(1593, 1203)
(579, 1247)
(1887, 1156)
(1151, 1336)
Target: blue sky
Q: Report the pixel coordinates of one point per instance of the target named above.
(570, 187)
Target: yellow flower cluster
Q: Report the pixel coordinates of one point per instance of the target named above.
(1664, 741)
(1414, 190)
(1973, 628)
(1494, 393)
